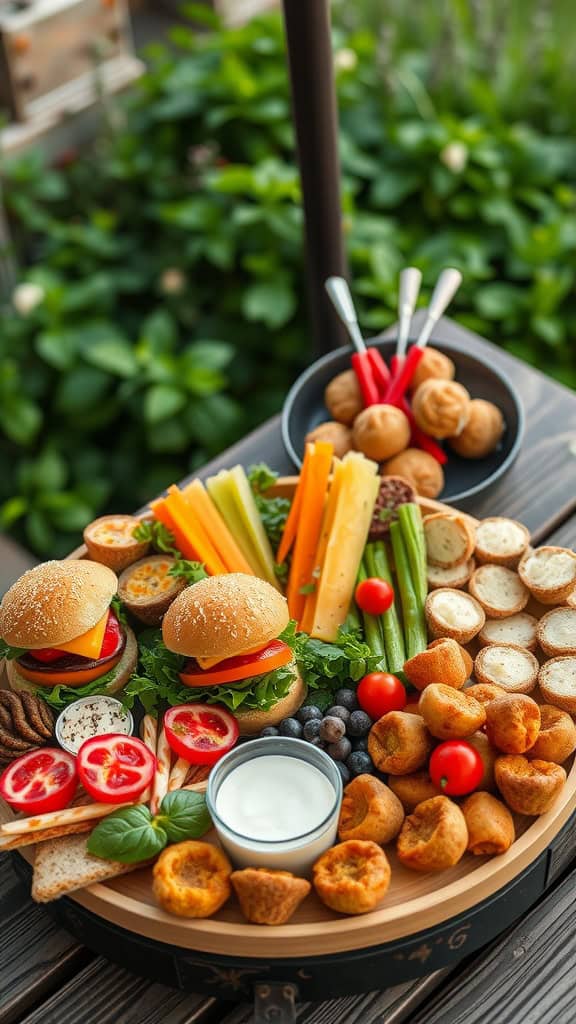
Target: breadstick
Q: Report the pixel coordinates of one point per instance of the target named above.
(68, 816)
(178, 774)
(149, 732)
(197, 787)
(160, 780)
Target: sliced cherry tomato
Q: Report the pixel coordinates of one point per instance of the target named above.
(44, 780)
(379, 693)
(111, 642)
(456, 767)
(374, 596)
(115, 768)
(275, 655)
(200, 733)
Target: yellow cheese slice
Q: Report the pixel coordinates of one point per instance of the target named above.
(206, 663)
(89, 644)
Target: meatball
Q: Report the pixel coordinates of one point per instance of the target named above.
(336, 433)
(343, 397)
(483, 430)
(433, 364)
(440, 408)
(381, 431)
(421, 469)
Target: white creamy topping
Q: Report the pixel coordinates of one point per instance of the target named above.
(274, 797)
(561, 628)
(456, 610)
(550, 568)
(93, 716)
(517, 629)
(561, 677)
(506, 666)
(502, 537)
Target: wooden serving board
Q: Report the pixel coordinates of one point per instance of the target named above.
(414, 902)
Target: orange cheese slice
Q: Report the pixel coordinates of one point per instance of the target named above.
(89, 644)
(206, 663)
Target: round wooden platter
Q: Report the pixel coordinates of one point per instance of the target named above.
(413, 903)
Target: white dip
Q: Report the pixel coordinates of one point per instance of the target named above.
(91, 716)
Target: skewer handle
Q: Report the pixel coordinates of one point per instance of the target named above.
(446, 287)
(410, 280)
(339, 293)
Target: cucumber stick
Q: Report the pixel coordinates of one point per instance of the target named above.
(231, 493)
(378, 565)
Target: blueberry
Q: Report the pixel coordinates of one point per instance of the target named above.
(360, 743)
(359, 724)
(332, 729)
(317, 742)
(270, 730)
(347, 699)
(344, 772)
(311, 729)
(308, 714)
(360, 763)
(338, 711)
(341, 750)
(290, 727)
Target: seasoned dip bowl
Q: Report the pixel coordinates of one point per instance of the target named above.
(91, 716)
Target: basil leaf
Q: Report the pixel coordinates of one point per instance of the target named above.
(184, 815)
(127, 836)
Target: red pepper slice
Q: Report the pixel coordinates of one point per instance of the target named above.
(363, 370)
(380, 371)
(401, 382)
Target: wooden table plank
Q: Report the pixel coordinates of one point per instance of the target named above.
(36, 955)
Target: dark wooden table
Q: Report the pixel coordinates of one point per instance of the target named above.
(524, 977)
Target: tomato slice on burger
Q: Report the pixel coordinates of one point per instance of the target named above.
(115, 768)
(43, 780)
(200, 733)
(275, 655)
(111, 642)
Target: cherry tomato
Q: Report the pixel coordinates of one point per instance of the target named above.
(379, 693)
(456, 767)
(43, 780)
(115, 768)
(374, 596)
(200, 733)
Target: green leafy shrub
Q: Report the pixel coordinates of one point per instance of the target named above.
(167, 316)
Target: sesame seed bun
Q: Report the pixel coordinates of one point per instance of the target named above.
(122, 672)
(223, 616)
(56, 602)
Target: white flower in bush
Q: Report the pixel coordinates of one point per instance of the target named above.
(345, 60)
(172, 281)
(454, 156)
(27, 296)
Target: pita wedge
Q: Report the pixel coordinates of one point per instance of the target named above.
(64, 865)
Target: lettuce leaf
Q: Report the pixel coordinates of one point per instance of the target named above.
(330, 665)
(61, 695)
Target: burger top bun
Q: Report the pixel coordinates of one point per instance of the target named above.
(55, 602)
(222, 616)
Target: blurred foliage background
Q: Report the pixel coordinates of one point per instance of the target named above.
(162, 314)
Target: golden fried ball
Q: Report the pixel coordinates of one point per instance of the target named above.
(433, 364)
(421, 469)
(343, 397)
(336, 433)
(440, 407)
(482, 432)
(381, 431)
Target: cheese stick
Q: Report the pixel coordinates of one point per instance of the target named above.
(149, 733)
(197, 787)
(68, 816)
(160, 780)
(178, 774)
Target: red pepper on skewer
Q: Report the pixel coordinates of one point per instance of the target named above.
(401, 382)
(363, 370)
(380, 371)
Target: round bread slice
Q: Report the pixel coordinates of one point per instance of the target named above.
(557, 680)
(571, 599)
(549, 573)
(223, 616)
(501, 541)
(509, 666)
(110, 540)
(520, 629)
(499, 590)
(122, 672)
(557, 632)
(455, 577)
(55, 602)
(454, 614)
(147, 588)
(449, 539)
(252, 721)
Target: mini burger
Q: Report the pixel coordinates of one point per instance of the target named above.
(57, 627)
(227, 628)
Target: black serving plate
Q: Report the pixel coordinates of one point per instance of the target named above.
(304, 409)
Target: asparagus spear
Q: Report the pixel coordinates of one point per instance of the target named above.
(352, 619)
(378, 565)
(372, 629)
(410, 519)
(412, 608)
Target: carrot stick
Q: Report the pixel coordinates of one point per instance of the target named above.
(162, 514)
(194, 531)
(205, 512)
(291, 525)
(311, 512)
(307, 620)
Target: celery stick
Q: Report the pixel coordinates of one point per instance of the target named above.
(410, 519)
(412, 608)
(378, 565)
(218, 488)
(246, 506)
(372, 627)
(352, 619)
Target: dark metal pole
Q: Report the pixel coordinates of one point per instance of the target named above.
(316, 123)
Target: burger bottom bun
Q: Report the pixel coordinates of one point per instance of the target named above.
(122, 672)
(251, 722)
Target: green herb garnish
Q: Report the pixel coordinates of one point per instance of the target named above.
(10, 653)
(132, 834)
(192, 572)
(273, 511)
(152, 532)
